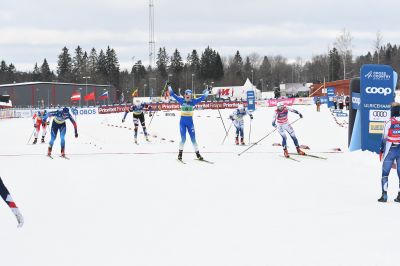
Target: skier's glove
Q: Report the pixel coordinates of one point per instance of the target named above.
(205, 93)
(251, 117)
(123, 120)
(20, 218)
(273, 124)
(34, 125)
(301, 116)
(47, 123)
(150, 114)
(380, 155)
(169, 89)
(76, 133)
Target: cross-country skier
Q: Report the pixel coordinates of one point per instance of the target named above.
(238, 122)
(40, 119)
(10, 202)
(187, 104)
(281, 121)
(138, 116)
(390, 150)
(58, 124)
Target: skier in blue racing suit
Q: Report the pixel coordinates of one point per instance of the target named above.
(187, 104)
(58, 124)
(390, 150)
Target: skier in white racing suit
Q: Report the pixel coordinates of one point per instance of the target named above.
(281, 122)
(238, 122)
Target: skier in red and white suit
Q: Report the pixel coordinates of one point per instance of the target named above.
(281, 122)
(40, 119)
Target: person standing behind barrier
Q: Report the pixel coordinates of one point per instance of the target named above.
(347, 102)
(335, 102)
(318, 103)
(341, 102)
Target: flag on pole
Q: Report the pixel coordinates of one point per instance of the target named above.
(104, 96)
(135, 93)
(76, 96)
(90, 97)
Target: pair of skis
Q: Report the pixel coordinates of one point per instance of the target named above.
(204, 161)
(64, 157)
(305, 155)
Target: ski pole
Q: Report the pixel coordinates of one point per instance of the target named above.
(265, 137)
(151, 120)
(29, 140)
(250, 131)
(227, 133)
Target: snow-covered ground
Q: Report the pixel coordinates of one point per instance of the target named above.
(117, 203)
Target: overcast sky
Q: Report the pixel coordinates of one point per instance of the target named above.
(33, 30)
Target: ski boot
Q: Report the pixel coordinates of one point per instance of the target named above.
(42, 140)
(199, 157)
(398, 198)
(237, 141)
(300, 152)
(49, 151)
(62, 152)
(34, 141)
(242, 141)
(136, 140)
(180, 155)
(383, 198)
(285, 153)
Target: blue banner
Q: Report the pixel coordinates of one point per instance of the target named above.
(355, 100)
(251, 101)
(331, 94)
(377, 94)
(322, 99)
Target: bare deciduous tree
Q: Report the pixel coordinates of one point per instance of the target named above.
(344, 45)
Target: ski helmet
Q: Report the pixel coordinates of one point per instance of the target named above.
(65, 111)
(188, 92)
(280, 105)
(138, 102)
(240, 107)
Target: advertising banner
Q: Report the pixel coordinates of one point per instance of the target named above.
(377, 94)
(331, 94)
(251, 101)
(356, 100)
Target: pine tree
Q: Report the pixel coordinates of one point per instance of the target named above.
(176, 67)
(112, 66)
(77, 65)
(45, 71)
(194, 62)
(266, 73)
(64, 66)
(36, 73)
(334, 64)
(162, 63)
(92, 65)
(206, 64)
(247, 68)
(101, 68)
(218, 67)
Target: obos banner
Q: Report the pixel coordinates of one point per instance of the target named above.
(251, 101)
(331, 94)
(377, 94)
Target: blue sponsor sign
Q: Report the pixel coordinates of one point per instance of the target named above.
(322, 99)
(331, 94)
(377, 94)
(251, 101)
(355, 100)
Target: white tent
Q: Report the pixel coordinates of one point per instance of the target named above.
(236, 92)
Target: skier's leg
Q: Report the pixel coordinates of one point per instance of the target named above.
(283, 135)
(182, 128)
(290, 131)
(192, 134)
(54, 131)
(63, 131)
(386, 167)
(136, 124)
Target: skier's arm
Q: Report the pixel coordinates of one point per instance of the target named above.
(274, 120)
(202, 98)
(74, 124)
(180, 100)
(383, 141)
(11, 204)
(295, 111)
